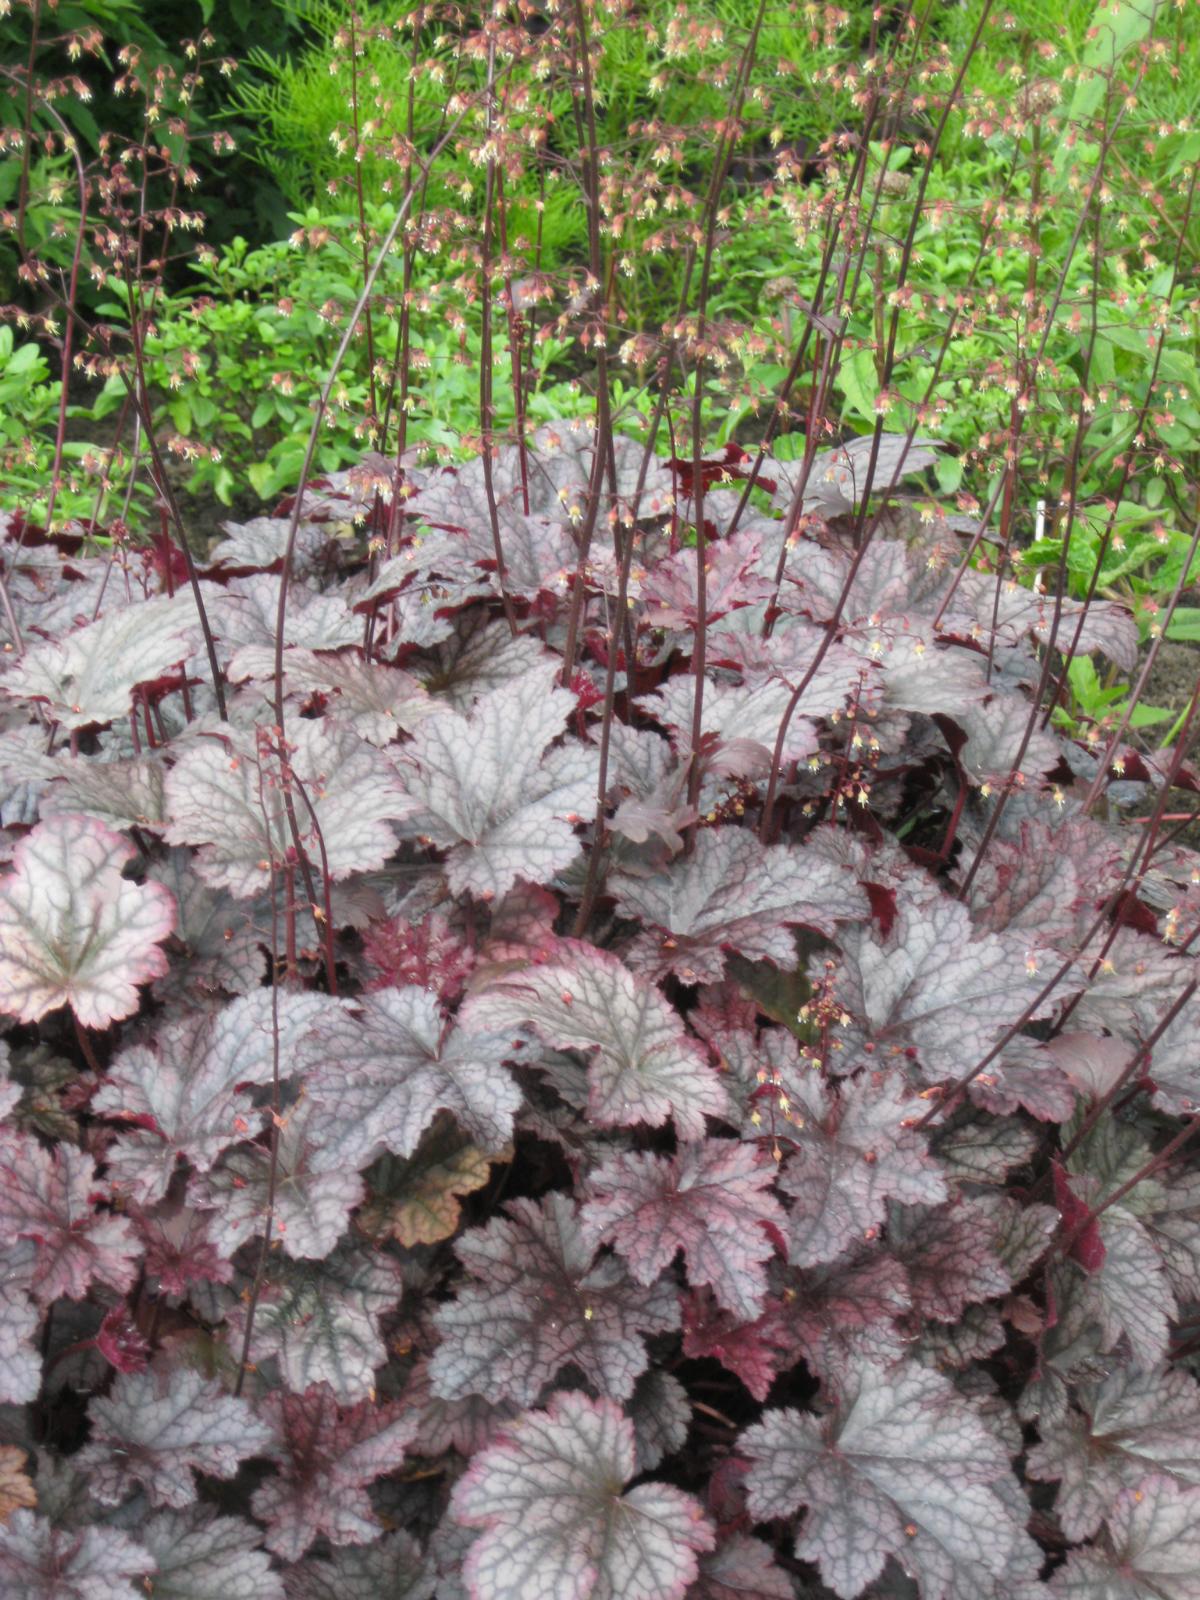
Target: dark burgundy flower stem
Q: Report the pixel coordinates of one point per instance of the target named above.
(602, 445)
(487, 410)
(273, 1131)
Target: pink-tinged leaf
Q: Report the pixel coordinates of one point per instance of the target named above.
(41, 1562)
(486, 788)
(948, 1258)
(392, 1566)
(1041, 881)
(120, 1342)
(230, 802)
(90, 675)
(479, 657)
(670, 592)
(788, 655)
(420, 595)
(712, 1201)
(156, 1428)
(51, 1197)
(1131, 980)
(259, 546)
(933, 985)
(904, 1466)
(246, 610)
(644, 1067)
(536, 1301)
(375, 701)
(922, 675)
(1029, 1074)
(73, 931)
(740, 726)
(1150, 1549)
(1091, 1062)
(851, 1310)
(310, 1210)
(562, 464)
(851, 1154)
(1132, 1423)
(390, 1063)
(426, 955)
(731, 894)
(20, 1363)
(1078, 1224)
(327, 1457)
(555, 1521)
(1018, 611)
(464, 1425)
(199, 1555)
(320, 1320)
(184, 1095)
(179, 1251)
(995, 732)
(741, 1568)
(756, 1352)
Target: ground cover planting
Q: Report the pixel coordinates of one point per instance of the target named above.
(598, 879)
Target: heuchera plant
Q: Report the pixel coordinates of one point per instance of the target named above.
(631, 1070)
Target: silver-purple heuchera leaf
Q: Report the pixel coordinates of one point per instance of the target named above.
(39, 1561)
(392, 1566)
(644, 1067)
(548, 1498)
(933, 984)
(538, 1299)
(225, 940)
(90, 675)
(671, 594)
(121, 794)
(20, 1362)
(661, 1415)
(1129, 1424)
(838, 478)
(327, 1456)
(902, 1467)
(712, 1200)
(1149, 1549)
(850, 1155)
(229, 799)
(391, 1061)
(185, 1095)
(199, 1555)
(732, 894)
(320, 1320)
(948, 1256)
(309, 1210)
(487, 788)
(739, 726)
(374, 700)
(73, 930)
(741, 1568)
(50, 1197)
(156, 1429)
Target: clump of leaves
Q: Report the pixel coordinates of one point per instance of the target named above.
(780, 1193)
(575, 1025)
